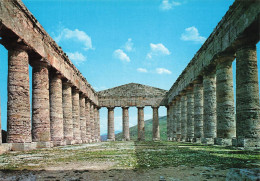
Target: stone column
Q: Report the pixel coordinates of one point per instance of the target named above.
(41, 105)
(98, 125)
(247, 98)
(226, 126)
(83, 118)
(126, 133)
(92, 122)
(174, 120)
(169, 124)
(156, 128)
(18, 105)
(178, 118)
(183, 116)
(190, 114)
(110, 125)
(56, 111)
(76, 116)
(88, 128)
(67, 112)
(95, 125)
(209, 108)
(198, 110)
(141, 129)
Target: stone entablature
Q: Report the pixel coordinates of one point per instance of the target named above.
(242, 19)
(132, 94)
(18, 25)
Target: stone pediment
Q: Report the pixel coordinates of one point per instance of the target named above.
(132, 90)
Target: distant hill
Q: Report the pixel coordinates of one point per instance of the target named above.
(148, 130)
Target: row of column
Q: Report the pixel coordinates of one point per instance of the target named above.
(140, 124)
(205, 112)
(61, 114)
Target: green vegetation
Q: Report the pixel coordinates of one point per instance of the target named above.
(148, 130)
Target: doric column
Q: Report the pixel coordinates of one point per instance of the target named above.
(92, 131)
(198, 110)
(56, 111)
(247, 98)
(126, 134)
(76, 116)
(183, 116)
(169, 124)
(95, 125)
(18, 105)
(209, 108)
(40, 105)
(67, 112)
(110, 125)
(190, 114)
(226, 126)
(98, 125)
(141, 130)
(82, 118)
(88, 128)
(156, 128)
(173, 116)
(178, 118)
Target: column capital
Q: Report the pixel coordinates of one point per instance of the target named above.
(155, 107)
(40, 63)
(198, 80)
(140, 107)
(110, 108)
(125, 107)
(67, 82)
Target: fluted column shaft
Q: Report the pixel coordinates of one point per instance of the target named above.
(209, 108)
(247, 97)
(198, 111)
(56, 110)
(18, 105)
(226, 126)
(183, 117)
(126, 133)
(169, 124)
(190, 114)
(88, 128)
(141, 129)
(110, 125)
(173, 116)
(92, 123)
(40, 104)
(98, 125)
(67, 112)
(76, 115)
(178, 118)
(156, 128)
(83, 118)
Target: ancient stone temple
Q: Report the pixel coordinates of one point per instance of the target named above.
(200, 104)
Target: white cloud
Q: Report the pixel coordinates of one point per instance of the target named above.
(166, 5)
(157, 49)
(163, 71)
(77, 35)
(192, 34)
(143, 70)
(129, 45)
(120, 54)
(77, 57)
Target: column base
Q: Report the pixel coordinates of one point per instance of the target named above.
(78, 142)
(156, 139)
(84, 141)
(113, 139)
(89, 141)
(5, 147)
(44, 144)
(223, 141)
(126, 139)
(23, 146)
(246, 142)
(197, 140)
(70, 142)
(189, 140)
(59, 143)
(208, 141)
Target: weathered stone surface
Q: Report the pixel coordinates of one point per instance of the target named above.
(98, 125)
(198, 110)
(156, 129)
(88, 128)
(247, 97)
(76, 115)
(183, 117)
(126, 132)
(169, 124)
(226, 126)
(110, 125)
(83, 132)
(18, 105)
(40, 104)
(24, 146)
(236, 174)
(91, 122)
(140, 126)
(56, 111)
(95, 124)
(67, 111)
(190, 114)
(178, 118)
(209, 107)
(5, 147)
(131, 95)
(173, 111)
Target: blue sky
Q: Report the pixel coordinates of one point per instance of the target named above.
(115, 42)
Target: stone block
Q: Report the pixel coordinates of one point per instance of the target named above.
(70, 142)
(246, 142)
(110, 139)
(59, 143)
(197, 140)
(44, 144)
(23, 146)
(5, 147)
(207, 141)
(223, 141)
